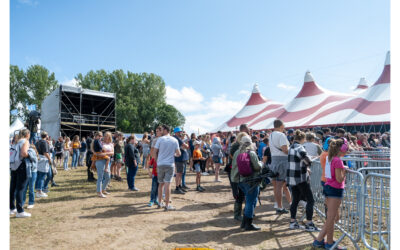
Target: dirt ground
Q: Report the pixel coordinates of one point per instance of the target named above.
(72, 217)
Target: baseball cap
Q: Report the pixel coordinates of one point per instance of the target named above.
(177, 130)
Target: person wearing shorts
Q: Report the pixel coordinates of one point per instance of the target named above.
(279, 145)
(180, 162)
(197, 158)
(165, 151)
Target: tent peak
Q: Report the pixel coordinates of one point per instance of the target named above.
(255, 88)
(387, 61)
(308, 77)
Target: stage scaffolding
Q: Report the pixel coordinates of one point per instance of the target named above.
(73, 111)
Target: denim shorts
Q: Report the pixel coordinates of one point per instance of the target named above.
(333, 192)
(197, 167)
(217, 159)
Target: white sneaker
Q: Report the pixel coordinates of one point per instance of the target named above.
(169, 208)
(40, 195)
(12, 212)
(276, 205)
(30, 206)
(205, 173)
(302, 203)
(23, 215)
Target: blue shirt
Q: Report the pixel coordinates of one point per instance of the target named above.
(83, 147)
(260, 149)
(184, 155)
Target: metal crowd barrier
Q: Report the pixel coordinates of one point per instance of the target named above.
(365, 209)
(376, 211)
(355, 163)
(383, 154)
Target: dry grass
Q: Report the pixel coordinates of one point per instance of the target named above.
(72, 217)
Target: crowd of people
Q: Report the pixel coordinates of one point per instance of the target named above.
(244, 156)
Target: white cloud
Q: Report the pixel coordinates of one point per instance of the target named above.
(352, 87)
(244, 92)
(286, 87)
(72, 82)
(185, 100)
(203, 115)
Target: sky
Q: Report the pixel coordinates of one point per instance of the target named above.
(209, 53)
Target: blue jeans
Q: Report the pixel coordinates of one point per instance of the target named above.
(144, 160)
(132, 170)
(34, 138)
(184, 175)
(75, 157)
(102, 177)
(40, 180)
(251, 198)
(31, 184)
(66, 158)
(49, 175)
(154, 189)
(81, 156)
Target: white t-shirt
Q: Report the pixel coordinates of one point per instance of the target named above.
(167, 146)
(276, 141)
(311, 148)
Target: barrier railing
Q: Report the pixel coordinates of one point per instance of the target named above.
(350, 221)
(365, 209)
(376, 211)
(356, 163)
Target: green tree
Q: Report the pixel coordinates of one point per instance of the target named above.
(169, 115)
(40, 83)
(140, 97)
(18, 92)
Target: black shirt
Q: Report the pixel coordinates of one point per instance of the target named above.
(267, 153)
(42, 147)
(131, 154)
(97, 147)
(89, 143)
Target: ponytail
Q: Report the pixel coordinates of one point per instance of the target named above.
(334, 148)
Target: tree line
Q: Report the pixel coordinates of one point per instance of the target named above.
(140, 97)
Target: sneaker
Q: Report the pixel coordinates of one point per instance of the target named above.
(184, 190)
(302, 203)
(294, 225)
(276, 205)
(30, 206)
(310, 227)
(54, 184)
(199, 189)
(185, 187)
(202, 188)
(282, 211)
(161, 205)
(178, 191)
(329, 246)
(169, 208)
(135, 189)
(319, 244)
(205, 173)
(12, 212)
(23, 215)
(217, 181)
(156, 202)
(150, 204)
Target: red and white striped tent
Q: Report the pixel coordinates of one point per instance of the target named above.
(315, 106)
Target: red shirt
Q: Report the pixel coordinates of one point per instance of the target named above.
(154, 164)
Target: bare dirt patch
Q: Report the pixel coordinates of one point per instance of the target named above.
(72, 217)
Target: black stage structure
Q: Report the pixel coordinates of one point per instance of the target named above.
(70, 111)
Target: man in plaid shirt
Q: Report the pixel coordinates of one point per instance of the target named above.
(297, 178)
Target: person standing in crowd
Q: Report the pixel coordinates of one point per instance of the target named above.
(67, 153)
(89, 155)
(206, 151)
(333, 190)
(217, 153)
(298, 180)
(371, 140)
(154, 183)
(131, 160)
(279, 145)
(185, 138)
(76, 145)
(238, 194)
(385, 140)
(191, 148)
(103, 149)
(145, 149)
(118, 155)
(181, 161)
(313, 149)
(59, 146)
(320, 137)
(52, 172)
(31, 169)
(290, 135)
(197, 158)
(82, 152)
(19, 178)
(261, 146)
(266, 153)
(166, 148)
(44, 166)
(251, 192)
(339, 133)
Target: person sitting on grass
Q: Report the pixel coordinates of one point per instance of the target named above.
(197, 158)
(154, 182)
